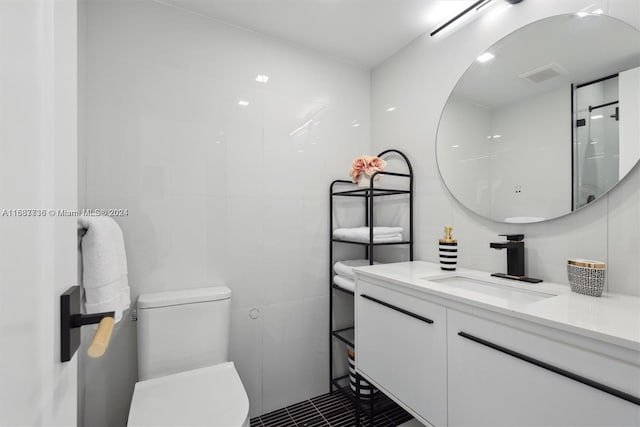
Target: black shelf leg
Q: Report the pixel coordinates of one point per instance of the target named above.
(372, 411)
(357, 400)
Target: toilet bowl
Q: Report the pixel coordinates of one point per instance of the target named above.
(186, 378)
(211, 396)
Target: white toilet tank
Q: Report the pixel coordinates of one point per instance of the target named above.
(182, 330)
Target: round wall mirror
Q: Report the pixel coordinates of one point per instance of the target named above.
(545, 121)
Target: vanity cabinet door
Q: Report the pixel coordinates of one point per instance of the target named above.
(489, 385)
(401, 347)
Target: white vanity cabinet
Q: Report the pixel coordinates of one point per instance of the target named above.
(489, 383)
(457, 357)
(401, 349)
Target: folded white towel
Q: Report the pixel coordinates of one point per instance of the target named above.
(104, 266)
(385, 239)
(361, 234)
(344, 283)
(345, 268)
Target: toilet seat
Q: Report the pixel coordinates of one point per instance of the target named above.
(211, 396)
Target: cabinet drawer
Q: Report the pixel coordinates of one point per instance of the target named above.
(501, 376)
(401, 346)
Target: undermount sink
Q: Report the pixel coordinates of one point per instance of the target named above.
(507, 295)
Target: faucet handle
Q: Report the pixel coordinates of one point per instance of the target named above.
(513, 237)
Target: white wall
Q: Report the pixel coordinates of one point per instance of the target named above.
(418, 80)
(629, 89)
(37, 171)
(218, 193)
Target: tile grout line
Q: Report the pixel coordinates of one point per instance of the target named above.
(286, 408)
(321, 414)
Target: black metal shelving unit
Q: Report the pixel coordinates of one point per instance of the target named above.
(368, 194)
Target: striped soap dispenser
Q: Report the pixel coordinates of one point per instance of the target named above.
(448, 250)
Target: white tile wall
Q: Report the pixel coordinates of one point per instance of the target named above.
(418, 79)
(217, 192)
(296, 353)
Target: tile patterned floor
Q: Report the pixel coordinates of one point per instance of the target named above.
(332, 410)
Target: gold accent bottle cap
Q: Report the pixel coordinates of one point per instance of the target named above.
(578, 262)
(447, 235)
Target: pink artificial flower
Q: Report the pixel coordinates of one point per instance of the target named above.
(375, 164)
(357, 167)
(367, 164)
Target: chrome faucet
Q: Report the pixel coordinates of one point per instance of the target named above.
(515, 258)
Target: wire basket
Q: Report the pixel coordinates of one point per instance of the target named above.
(586, 277)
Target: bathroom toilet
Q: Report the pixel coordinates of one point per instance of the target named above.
(185, 374)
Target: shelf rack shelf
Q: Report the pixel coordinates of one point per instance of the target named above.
(368, 194)
(346, 335)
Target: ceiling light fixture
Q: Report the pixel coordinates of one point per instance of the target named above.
(243, 103)
(390, 109)
(475, 7)
(262, 78)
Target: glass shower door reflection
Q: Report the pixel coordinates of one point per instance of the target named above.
(596, 147)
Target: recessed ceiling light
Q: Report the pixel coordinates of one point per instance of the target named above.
(262, 78)
(497, 136)
(390, 109)
(455, 146)
(485, 57)
(243, 103)
(596, 117)
(356, 125)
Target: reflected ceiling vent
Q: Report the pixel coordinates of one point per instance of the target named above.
(543, 73)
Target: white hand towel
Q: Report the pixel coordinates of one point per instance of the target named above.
(104, 266)
(361, 234)
(345, 268)
(344, 283)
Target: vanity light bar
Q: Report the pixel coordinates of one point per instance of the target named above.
(458, 16)
(477, 6)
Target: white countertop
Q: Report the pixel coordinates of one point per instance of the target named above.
(613, 318)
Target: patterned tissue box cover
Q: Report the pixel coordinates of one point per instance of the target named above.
(586, 277)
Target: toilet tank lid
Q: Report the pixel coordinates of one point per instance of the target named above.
(184, 296)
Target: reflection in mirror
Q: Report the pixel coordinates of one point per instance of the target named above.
(545, 121)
